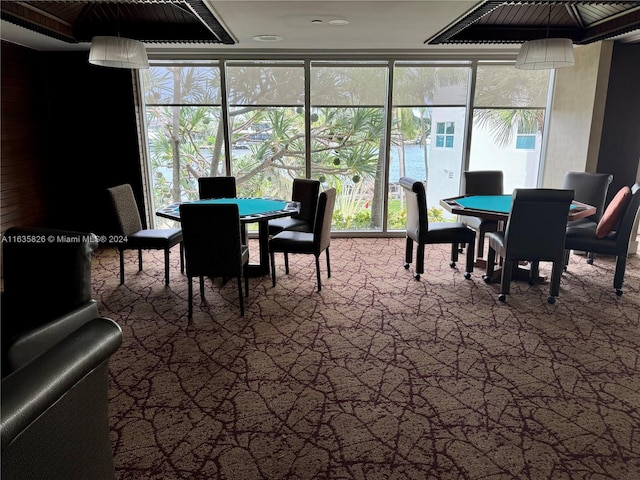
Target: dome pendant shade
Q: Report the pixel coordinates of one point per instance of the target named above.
(118, 52)
(545, 54)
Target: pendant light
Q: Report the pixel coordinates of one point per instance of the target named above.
(546, 53)
(118, 52)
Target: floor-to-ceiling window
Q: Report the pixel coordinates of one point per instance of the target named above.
(428, 126)
(356, 125)
(347, 132)
(508, 123)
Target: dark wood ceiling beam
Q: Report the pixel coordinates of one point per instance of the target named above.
(611, 28)
(32, 18)
(507, 34)
(202, 12)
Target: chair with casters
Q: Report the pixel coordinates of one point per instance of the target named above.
(213, 246)
(135, 237)
(613, 233)
(589, 188)
(217, 187)
(423, 232)
(535, 232)
(312, 243)
(305, 192)
(482, 182)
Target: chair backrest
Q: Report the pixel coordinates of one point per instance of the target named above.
(537, 225)
(126, 209)
(624, 228)
(416, 198)
(323, 220)
(217, 187)
(589, 188)
(212, 240)
(483, 182)
(306, 192)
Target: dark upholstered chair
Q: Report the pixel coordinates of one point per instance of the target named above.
(213, 246)
(535, 232)
(41, 305)
(589, 188)
(482, 182)
(217, 187)
(615, 242)
(55, 418)
(137, 238)
(220, 187)
(312, 243)
(423, 232)
(306, 193)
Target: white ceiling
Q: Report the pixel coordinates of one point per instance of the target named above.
(375, 26)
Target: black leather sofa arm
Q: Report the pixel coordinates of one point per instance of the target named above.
(55, 420)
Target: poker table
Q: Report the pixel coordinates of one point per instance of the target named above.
(252, 210)
(497, 207)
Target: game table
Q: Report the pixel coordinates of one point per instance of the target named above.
(252, 210)
(497, 207)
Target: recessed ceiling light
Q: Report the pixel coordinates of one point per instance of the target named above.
(267, 38)
(339, 21)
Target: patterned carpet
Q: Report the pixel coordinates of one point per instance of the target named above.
(378, 376)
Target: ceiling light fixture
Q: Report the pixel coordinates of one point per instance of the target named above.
(118, 52)
(546, 53)
(338, 21)
(267, 38)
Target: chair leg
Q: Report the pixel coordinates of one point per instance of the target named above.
(245, 272)
(201, 280)
(454, 255)
(286, 263)
(181, 257)
(139, 259)
(419, 261)
(566, 259)
(480, 244)
(318, 272)
(491, 262)
(121, 265)
(505, 282)
(618, 278)
(534, 271)
(408, 254)
(240, 296)
(273, 269)
(166, 266)
(554, 285)
(328, 264)
(190, 297)
(470, 260)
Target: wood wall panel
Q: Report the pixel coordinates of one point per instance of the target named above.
(22, 189)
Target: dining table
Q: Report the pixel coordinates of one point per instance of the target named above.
(252, 210)
(498, 207)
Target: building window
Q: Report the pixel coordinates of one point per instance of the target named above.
(526, 137)
(444, 134)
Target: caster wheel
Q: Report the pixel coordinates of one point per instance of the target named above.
(551, 299)
(467, 275)
(406, 266)
(486, 278)
(417, 277)
(619, 292)
(502, 297)
(590, 261)
(452, 264)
